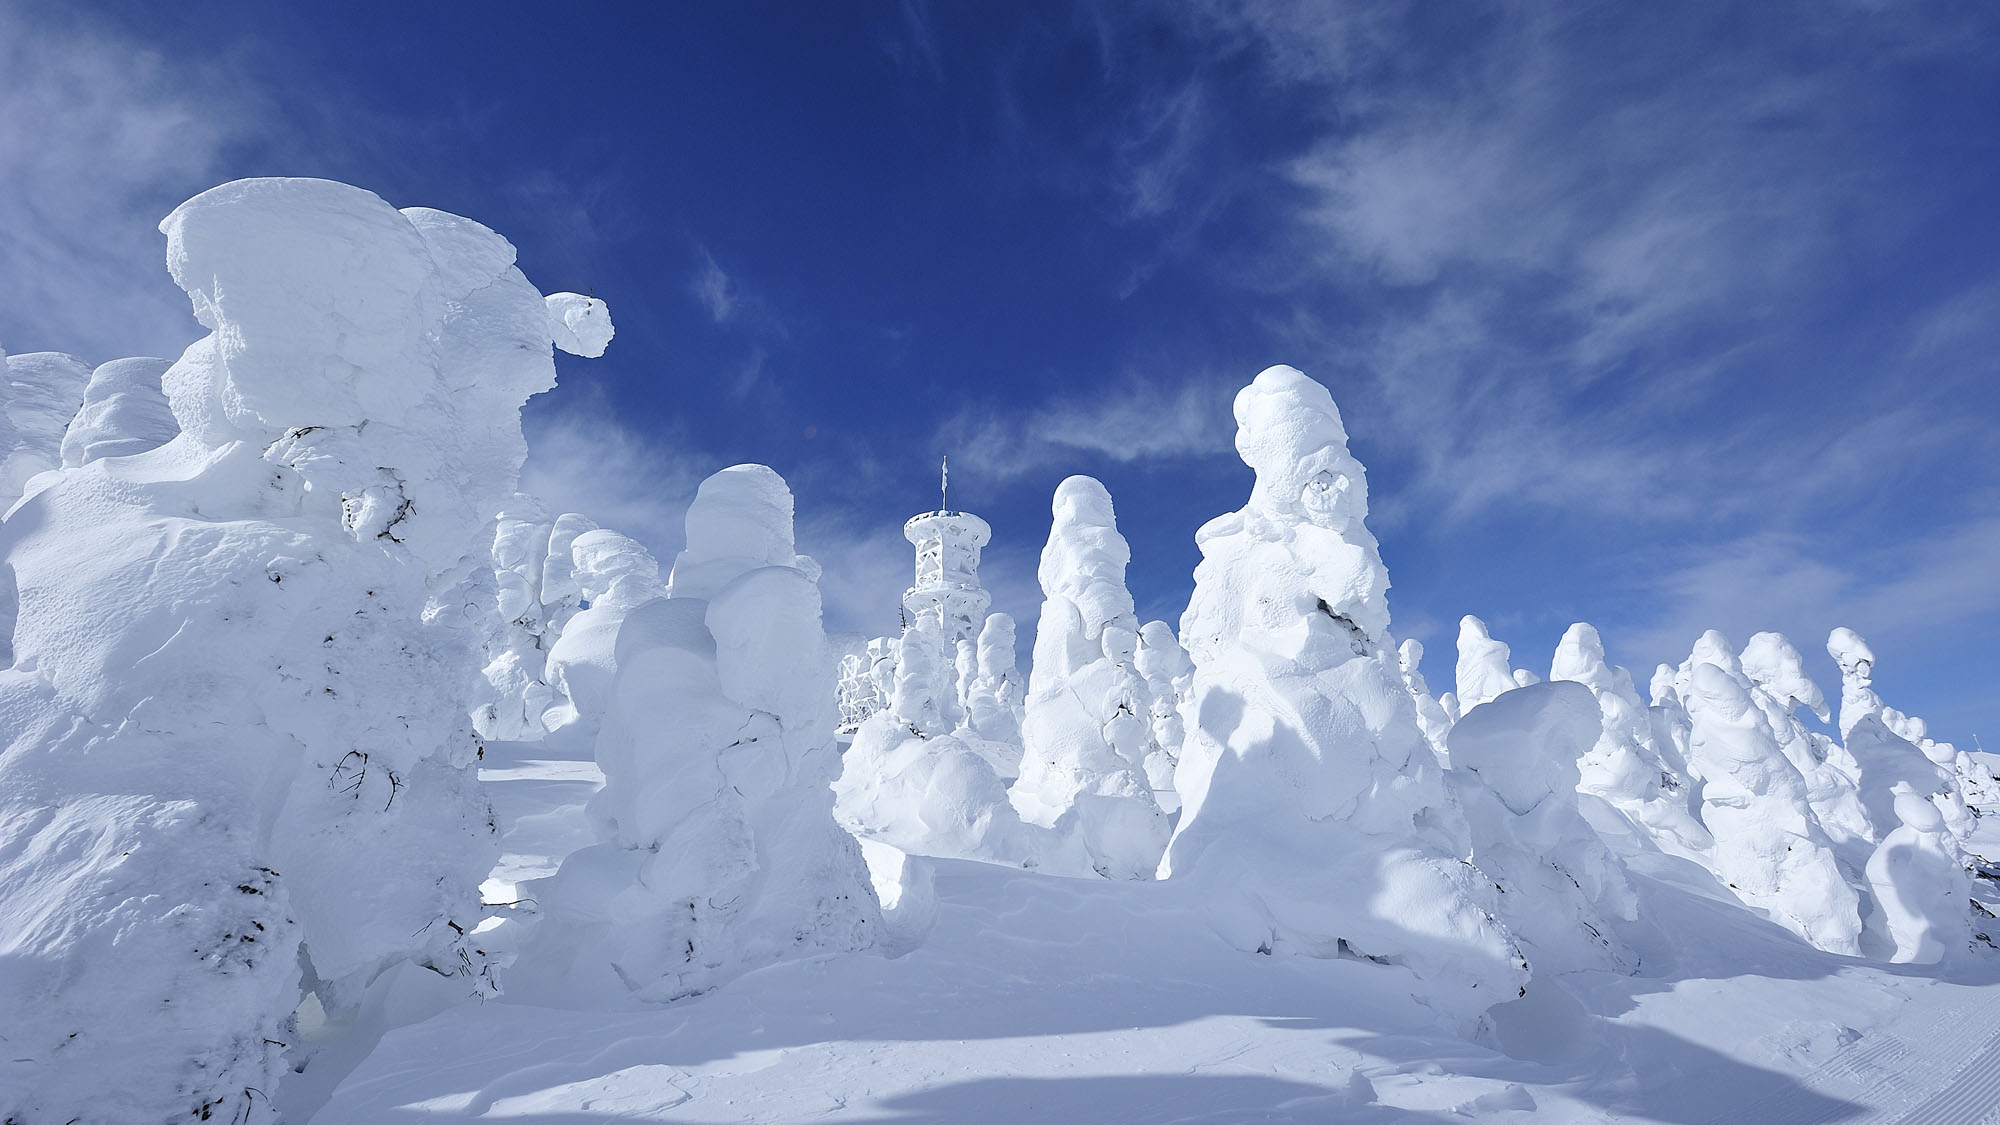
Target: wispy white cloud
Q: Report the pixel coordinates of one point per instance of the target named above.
(1126, 421)
(1889, 589)
(583, 458)
(99, 139)
(912, 44)
(715, 289)
(1160, 145)
(1567, 246)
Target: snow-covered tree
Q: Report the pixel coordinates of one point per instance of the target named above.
(1779, 686)
(1315, 820)
(993, 698)
(237, 755)
(1484, 673)
(1919, 883)
(1431, 715)
(1167, 671)
(613, 575)
(1088, 729)
(515, 694)
(1514, 770)
(1625, 766)
(1769, 849)
(560, 595)
(1884, 757)
(717, 846)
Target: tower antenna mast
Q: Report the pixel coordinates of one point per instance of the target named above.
(944, 484)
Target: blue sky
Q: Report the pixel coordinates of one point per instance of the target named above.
(1657, 316)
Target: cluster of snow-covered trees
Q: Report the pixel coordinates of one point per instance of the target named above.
(261, 608)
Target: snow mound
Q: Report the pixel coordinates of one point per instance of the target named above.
(1316, 820)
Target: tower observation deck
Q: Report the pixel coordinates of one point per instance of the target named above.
(947, 594)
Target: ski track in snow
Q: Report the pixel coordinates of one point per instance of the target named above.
(1917, 1074)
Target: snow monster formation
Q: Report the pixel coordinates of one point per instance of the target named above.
(1779, 686)
(1514, 771)
(1315, 819)
(993, 694)
(513, 694)
(1769, 849)
(1918, 880)
(1088, 731)
(1484, 671)
(717, 847)
(1627, 766)
(613, 575)
(1888, 747)
(1431, 715)
(1168, 672)
(237, 760)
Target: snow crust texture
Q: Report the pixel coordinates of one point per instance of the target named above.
(237, 764)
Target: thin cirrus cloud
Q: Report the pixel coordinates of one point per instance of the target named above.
(1124, 422)
(79, 219)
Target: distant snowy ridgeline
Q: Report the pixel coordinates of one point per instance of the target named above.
(262, 607)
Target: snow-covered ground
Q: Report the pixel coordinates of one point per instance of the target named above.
(1040, 998)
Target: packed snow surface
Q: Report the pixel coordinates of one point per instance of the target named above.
(1041, 999)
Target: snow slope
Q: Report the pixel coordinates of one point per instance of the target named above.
(1037, 998)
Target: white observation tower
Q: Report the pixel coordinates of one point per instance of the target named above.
(947, 595)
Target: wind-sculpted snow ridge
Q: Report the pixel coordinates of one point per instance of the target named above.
(717, 849)
(238, 761)
(1316, 821)
(1088, 732)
